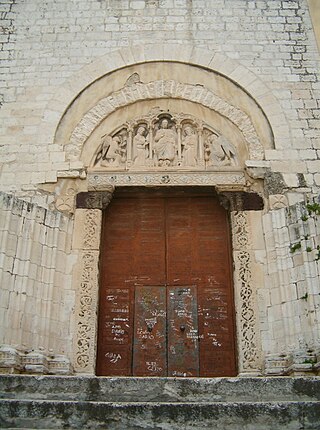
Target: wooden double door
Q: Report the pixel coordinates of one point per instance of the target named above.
(166, 303)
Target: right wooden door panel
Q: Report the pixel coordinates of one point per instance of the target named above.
(169, 258)
(183, 336)
(150, 332)
(198, 253)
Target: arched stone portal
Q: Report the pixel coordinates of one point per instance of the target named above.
(164, 124)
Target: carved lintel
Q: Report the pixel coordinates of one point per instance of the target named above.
(100, 180)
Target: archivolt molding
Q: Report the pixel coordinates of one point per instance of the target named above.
(187, 54)
(156, 90)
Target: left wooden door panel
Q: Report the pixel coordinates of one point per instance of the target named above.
(133, 255)
(115, 331)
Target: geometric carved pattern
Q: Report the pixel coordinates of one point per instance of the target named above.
(86, 311)
(100, 180)
(88, 226)
(91, 227)
(247, 323)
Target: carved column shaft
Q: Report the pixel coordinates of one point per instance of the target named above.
(179, 142)
(245, 297)
(86, 239)
(200, 147)
(129, 146)
(150, 141)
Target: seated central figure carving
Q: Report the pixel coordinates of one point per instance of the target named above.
(165, 146)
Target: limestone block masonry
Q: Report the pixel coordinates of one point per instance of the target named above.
(36, 303)
(97, 95)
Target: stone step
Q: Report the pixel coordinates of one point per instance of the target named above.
(191, 390)
(55, 402)
(40, 414)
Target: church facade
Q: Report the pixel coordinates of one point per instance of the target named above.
(160, 206)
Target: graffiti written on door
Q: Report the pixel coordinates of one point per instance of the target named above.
(113, 357)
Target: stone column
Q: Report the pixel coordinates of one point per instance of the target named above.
(129, 145)
(150, 140)
(179, 129)
(200, 145)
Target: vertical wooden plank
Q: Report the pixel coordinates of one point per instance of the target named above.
(133, 254)
(190, 251)
(183, 344)
(217, 352)
(199, 254)
(150, 342)
(115, 332)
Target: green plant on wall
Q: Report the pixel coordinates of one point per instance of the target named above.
(310, 209)
(313, 208)
(294, 247)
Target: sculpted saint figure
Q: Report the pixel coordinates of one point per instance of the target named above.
(189, 143)
(140, 147)
(112, 151)
(165, 144)
(219, 151)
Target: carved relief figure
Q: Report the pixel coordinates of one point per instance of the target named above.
(165, 146)
(140, 147)
(112, 151)
(160, 140)
(189, 144)
(219, 151)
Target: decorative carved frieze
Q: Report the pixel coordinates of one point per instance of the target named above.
(86, 312)
(88, 235)
(245, 296)
(100, 180)
(87, 239)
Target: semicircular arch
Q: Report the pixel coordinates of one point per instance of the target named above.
(189, 55)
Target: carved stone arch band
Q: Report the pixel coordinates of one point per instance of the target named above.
(160, 90)
(88, 218)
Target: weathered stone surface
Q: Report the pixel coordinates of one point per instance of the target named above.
(274, 183)
(198, 390)
(159, 403)
(114, 416)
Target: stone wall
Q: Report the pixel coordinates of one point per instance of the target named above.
(60, 58)
(290, 300)
(47, 43)
(36, 298)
